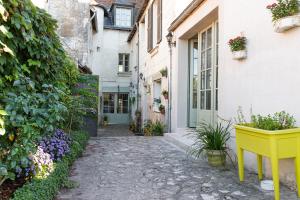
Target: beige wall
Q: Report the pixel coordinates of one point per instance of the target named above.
(265, 82)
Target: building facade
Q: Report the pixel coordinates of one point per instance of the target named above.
(124, 42)
(94, 33)
(207, 84)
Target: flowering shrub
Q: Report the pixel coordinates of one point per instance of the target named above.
(42, 162)
(283, 8)
(238, 43)
(57, 146)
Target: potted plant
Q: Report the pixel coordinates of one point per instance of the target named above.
(162, 109)
(158, 128)
(165, 94)
(212, 141)
(285, 15)
(105, 120)
(238, 47)
(164, 72)
(147, 129)
(132, 127)
(274, 136)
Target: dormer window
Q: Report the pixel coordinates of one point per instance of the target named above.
(123, 17)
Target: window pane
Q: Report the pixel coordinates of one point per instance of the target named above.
(202, 81)
(203, 41)
(195, 83)
(209, 37)
(202, 95)
(208, 79)
(120, 59)
(108, 103)
(202, 60)
(123, 17)
(208, 59)
(208, 100)
(123, 103)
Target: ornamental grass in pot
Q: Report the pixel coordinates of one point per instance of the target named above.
(211, 140)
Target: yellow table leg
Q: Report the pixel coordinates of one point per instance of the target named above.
(241, 163)
(297, 169)
(259, 167)
(275, 169)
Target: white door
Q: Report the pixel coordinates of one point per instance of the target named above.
(208, 73)
(193, 76)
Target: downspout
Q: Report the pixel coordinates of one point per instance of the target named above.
(138, 68)
(170, 92)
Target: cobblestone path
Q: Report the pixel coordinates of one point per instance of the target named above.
(146, 168)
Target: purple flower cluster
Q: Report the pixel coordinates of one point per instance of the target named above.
(57, 146)
(28, 171)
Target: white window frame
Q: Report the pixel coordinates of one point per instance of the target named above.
(121, 63)
(123, 22)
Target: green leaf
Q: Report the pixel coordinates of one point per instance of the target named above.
(2, 131)
(3, 112)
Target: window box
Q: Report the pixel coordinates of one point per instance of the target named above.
(286, 23)
(276, 145)
(239, 55)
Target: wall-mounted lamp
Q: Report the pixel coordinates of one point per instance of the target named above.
(141, 76)
(170, 39)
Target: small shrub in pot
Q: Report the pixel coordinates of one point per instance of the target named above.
(212, 141)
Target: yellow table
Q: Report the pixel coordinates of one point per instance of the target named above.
(273, 144)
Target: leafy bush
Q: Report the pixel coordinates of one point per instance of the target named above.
(283, 8)
(57, 145)
(279, 121)
(210, 137)
(238, 43)
(36, 76)
(47, 188)
(158, 128)
(153, 128)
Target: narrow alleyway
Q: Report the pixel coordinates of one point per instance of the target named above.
(146, 168)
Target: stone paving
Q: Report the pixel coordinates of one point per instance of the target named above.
(146, 168)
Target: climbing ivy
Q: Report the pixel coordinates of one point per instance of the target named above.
(36, 76)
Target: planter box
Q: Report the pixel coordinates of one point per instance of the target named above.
(286, 23)
(239, 55)
(273, 144)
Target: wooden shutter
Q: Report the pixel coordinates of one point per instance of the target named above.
(150, 28)
(159, 21)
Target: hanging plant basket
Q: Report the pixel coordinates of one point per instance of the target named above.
(162, 109)
(239, 55)
(285, 15)
(286, 23)
(238, 47)
(165, 94)
(164, 72)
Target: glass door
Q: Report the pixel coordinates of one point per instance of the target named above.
(208, 86)
(193, 86)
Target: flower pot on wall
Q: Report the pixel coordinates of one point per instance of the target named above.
(216, 158)
(239, 55)
(286, 23)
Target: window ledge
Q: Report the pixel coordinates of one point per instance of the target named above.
(154, 51)
(124, 74)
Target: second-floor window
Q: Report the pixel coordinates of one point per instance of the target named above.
(123, 62)
(123, 17)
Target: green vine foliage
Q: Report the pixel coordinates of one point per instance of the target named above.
(284, 8)
(36, 77)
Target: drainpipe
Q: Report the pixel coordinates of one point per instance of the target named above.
(171, 44)
(138, 68)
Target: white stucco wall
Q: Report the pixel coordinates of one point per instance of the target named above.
(266, 82)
